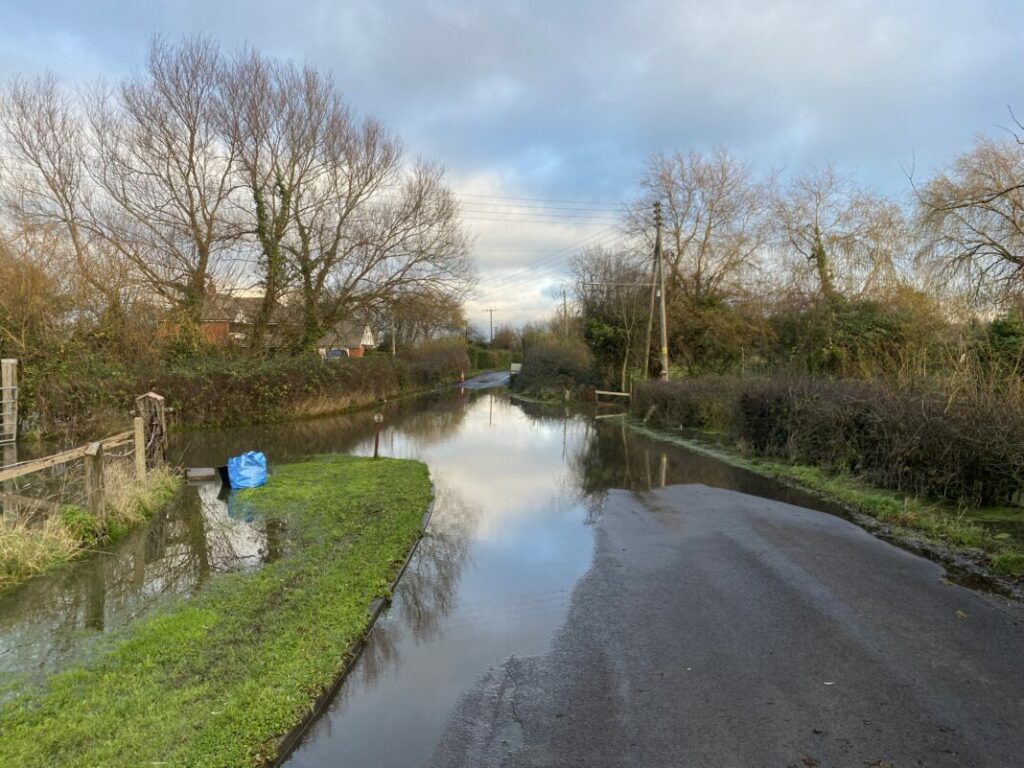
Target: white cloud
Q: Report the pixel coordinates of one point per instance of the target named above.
(563, 100)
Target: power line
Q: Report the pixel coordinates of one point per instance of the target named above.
(526, 218)
(539, 219)
(556, 256)
(554, 261)
(544, 207)
(576, 214)
(533, 199)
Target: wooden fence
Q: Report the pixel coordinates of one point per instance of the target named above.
(79, 476)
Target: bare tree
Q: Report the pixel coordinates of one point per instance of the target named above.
(972, 218)
(284, 120)
(414, 317)
(358, 164)
(612, 289)
(714, 210)
(167, 173)
(853, 241)
(48, 197)
(341, 223)
(399, 232)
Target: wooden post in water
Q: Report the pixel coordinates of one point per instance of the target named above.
(378, 419)
(140, 447)
(8, 400)
(151, 409)
(10, 457)
(94, 479)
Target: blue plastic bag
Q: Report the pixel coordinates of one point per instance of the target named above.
(248, 470)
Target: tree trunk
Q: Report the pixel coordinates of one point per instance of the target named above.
(270, 229)
(820, 257)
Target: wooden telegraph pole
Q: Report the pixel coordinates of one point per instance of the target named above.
(650, 318)
(492, 311)
(660, 258)
(565, 317)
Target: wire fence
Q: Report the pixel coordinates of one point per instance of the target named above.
(86, 476)
(75, 478)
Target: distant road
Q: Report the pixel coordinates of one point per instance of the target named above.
(722, 630)
(487, 380)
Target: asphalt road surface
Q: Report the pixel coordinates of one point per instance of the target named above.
(719, 629)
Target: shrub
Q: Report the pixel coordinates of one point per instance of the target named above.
(967, 448)
(436, 361)
(550, 368)
(490, 359)
(698, 403)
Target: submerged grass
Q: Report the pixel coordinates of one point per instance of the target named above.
(29, 546)
(217, 679)
(942, 523)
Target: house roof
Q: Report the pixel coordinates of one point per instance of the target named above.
(347, 334)
(236, 309)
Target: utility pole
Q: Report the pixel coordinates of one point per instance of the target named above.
(650, 318)
(659, 256)
(565, 317)
(492, 311)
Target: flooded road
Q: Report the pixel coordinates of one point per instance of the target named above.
(519, 573)
(518, 486)
(518, 489)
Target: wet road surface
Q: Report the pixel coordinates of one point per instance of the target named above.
(488, 380)
(715, 628)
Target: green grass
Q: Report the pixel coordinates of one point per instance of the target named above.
(942, 523)
(216, 680)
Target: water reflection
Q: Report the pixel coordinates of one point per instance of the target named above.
(507, 543)
(619, 457)
(427, 593)
(54, 619)
(518, 485)
(428, 418)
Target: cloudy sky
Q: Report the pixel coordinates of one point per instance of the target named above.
(543, 111)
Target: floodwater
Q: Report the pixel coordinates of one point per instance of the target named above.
(517, 488)
(55, 619)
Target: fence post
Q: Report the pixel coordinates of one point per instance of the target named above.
(8, 400)
(10, 457)
(140, 447)
(151, 409)
(94, 479)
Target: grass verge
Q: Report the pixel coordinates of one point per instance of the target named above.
(941, 523)
(28, 547)
(216, 680)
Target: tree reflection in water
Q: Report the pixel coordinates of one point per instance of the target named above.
(429, 418)
(56, 618)
(426, 594)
